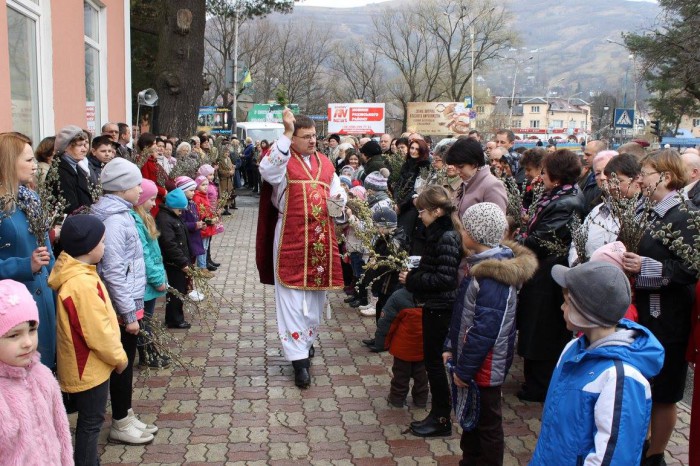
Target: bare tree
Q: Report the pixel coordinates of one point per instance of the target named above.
(432, 51)
(358, 72)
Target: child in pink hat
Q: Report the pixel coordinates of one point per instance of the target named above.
(34, 427)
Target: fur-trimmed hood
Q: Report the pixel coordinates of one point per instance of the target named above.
(509, 263)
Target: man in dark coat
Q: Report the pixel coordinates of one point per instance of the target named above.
(374, 160)
(691, 162)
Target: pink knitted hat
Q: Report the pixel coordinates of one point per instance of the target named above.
(359, 192)
(610, 253)
(185, 183)
(16, 305)
(149, 189)
(200, 179)
(205, 170)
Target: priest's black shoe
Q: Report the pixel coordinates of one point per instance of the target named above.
(368, 342)
(302, 378)
(439, 427)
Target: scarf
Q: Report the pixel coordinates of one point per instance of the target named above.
(548, 197)
(377, 197)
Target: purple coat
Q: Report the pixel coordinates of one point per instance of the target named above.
(190, 216)
(34, 428)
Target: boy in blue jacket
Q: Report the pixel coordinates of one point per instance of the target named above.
(481, 338)
(599, 401)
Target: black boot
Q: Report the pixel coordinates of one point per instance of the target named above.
(654, 460)
(428, 419)
(439, 427)
(210, 261)
(302, 378)
(312, 352)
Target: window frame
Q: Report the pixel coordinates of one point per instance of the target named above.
(534, 109)
(41, 14)
(534, 123)
(100, 45)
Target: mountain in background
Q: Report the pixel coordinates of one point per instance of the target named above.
(565, 40)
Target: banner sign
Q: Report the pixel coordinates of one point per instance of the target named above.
(215, 120)
(356, 118)
(438, 118)
(269, 113)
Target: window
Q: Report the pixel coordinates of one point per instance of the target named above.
(557, 124)
(696, 122)
(479, 109)
(516, 124)
(534, 123)
(535, 109)
(95, 66)
(22, 35)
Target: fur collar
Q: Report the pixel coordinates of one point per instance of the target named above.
(514, 271)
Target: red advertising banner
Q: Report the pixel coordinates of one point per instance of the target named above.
(356, 118)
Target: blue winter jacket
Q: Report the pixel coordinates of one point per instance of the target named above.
(599, 401)
(152, 257)
(122, 267)
(17, 244)
(482, 331)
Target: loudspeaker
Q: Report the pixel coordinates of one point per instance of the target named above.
(148, 97)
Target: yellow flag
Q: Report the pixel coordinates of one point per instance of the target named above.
(247, 78)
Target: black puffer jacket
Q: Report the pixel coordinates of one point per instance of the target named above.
(434, 282)
(173, 238)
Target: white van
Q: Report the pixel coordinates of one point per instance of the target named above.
(258, 131)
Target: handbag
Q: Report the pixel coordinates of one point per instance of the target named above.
(465, 401)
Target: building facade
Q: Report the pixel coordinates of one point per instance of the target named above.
(64, 62)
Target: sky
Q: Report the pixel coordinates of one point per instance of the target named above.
(354, 3)
(339, 3)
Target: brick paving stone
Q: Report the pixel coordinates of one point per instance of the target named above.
(236, 403)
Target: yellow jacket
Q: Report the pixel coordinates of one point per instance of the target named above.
(88, 339)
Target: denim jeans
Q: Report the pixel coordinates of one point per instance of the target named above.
(91, 405)
(202, 258)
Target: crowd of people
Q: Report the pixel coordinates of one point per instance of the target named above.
(462, 250)
(95, 230)
(486, 232)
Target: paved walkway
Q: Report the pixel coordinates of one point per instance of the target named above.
(236, 403)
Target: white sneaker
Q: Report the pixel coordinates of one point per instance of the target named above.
(125, 431)
(196, 296)
(142, 426)
(368, 312)
(371, 304)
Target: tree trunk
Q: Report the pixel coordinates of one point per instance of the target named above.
(179, 66)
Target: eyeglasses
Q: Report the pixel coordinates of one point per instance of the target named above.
(308, 137)
(643, 173)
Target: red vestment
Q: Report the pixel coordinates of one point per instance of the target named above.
(308, 257)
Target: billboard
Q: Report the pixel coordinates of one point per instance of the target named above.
(356, 118)
(269, 113)
(438, 118)
(215, 120)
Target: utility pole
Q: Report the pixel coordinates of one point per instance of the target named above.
(235, 69)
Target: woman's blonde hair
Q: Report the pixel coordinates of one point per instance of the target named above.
(148, 221)
(12, 145)
(668, 161)
(436, 197)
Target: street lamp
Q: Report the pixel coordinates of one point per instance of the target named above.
(512, 95)
(546, 99)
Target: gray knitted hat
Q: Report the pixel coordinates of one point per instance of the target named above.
(120, 175)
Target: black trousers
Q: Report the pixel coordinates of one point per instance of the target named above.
(173, 305)
(538, 374)
(403, 372)
(121, 385)
(91, 405)
(435, 328)
(484, 445)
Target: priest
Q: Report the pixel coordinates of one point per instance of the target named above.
(296, 246)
